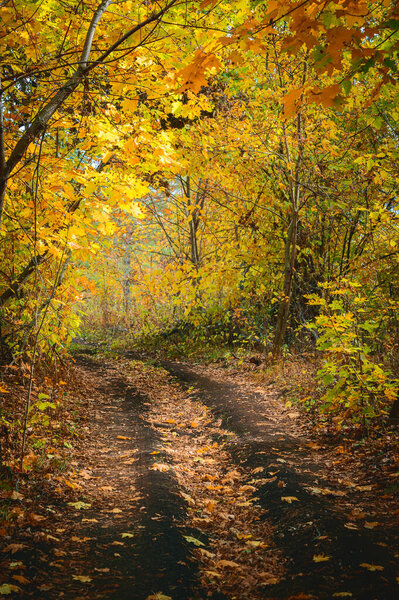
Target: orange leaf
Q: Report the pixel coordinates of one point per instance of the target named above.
(327, 96)
(228, 564)
(21, 579)
(206, 3)
(291, 102)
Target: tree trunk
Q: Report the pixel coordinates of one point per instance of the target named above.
(289, 267)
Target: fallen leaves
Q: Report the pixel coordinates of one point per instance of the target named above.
(193, 540)
(8, 588)
(82, 578)
(317, 558)
(13, 548)
(370, 567)
(289, 499)
(79, 505)
(21, 579)
(220, 500)
(228, 564)
(162, 467)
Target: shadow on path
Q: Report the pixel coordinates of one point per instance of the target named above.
(308, 525)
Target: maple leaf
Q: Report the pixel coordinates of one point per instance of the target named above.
(327, 96)
(193, 76)
(320, 558)
(291, 102)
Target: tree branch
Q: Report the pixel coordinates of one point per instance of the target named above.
(40, 121)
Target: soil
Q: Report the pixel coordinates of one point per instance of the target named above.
(333, 513)
(193, 484)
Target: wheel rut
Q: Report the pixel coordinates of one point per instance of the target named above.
(193, 485)
(323, 535)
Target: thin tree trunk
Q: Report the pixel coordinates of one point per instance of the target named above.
(289, 269)
(290, 254)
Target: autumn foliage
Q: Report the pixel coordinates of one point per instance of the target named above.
(225, 171)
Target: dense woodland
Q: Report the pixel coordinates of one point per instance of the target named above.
(226, 171)
(210, 181)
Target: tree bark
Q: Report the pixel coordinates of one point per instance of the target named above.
(289, 269)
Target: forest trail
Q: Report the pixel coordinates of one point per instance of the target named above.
(205, 486)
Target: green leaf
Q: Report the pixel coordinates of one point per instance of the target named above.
(8, 588)
(79, 505)
(347, 85)
(193, 540)
(45, 405)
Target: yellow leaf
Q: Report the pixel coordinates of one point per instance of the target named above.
(130, 104)
(8, 588)
(82, 578)
(107, 158)
(289, 499)
(320, 558)
(372, 567)
(79, 505)
(72, 485)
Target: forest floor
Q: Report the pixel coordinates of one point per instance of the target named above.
(194, 483)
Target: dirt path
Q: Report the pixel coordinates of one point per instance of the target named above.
(329, 528)
(205, 487)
